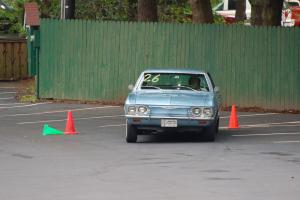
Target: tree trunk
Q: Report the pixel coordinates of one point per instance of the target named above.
(147, 10)
(256, 14)
(132, 10)
(266, 12)
(240, 14)
(202, 12)
(272, 13)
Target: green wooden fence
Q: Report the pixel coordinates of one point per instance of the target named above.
(87, 60)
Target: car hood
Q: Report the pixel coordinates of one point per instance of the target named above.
(172, 98)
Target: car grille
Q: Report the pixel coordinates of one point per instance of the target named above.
(168, 111)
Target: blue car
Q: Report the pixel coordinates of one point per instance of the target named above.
(172, 100)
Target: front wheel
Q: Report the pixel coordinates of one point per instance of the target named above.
(131, 134)
(211, 132)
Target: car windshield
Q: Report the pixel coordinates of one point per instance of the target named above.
(175, 81)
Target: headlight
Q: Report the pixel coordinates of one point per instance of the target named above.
(142, 109)
(207, 112)
(196, 111)
(131, 110)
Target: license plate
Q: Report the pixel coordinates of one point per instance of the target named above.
(168, 123)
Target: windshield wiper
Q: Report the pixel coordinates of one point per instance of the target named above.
(150, 87)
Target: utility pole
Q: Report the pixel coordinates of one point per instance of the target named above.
(67, 9)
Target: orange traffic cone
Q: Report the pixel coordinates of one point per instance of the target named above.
(70, 128)
(233, 121)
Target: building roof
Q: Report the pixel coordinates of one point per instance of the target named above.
(32, 14)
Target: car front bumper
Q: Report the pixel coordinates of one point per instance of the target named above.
(182, 124)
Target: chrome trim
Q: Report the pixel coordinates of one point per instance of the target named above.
(169, 107)
(167, 117)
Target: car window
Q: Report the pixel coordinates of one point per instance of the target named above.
(175, 81)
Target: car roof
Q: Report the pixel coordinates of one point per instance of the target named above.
(174, 70)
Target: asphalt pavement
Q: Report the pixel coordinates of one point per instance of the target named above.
(260, 160)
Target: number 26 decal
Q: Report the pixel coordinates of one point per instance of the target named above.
(148, 78)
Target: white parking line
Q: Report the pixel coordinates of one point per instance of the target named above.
(6, 104)
(58, 111)
(113, 125)
(7, 92)
(251, 115)
(293, 123)
(28, 105)
(76, 119)
(7, 98)
(282, 142)
(269, 124)
(265, 134)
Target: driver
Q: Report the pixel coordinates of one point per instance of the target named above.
(194, 83)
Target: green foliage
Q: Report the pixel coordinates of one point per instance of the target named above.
(101, 9)
(50, 9)
(12, 20)
(215, 2)
(219, 19)
(176, 11)
(179, 11)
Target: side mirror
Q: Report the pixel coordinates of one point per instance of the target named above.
(216, 89)
(130, 87)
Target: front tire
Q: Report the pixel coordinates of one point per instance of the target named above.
(131, 134)
(211, 132)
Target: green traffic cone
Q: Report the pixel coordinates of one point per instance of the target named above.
(47, 130)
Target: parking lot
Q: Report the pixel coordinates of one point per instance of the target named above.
(260, 160)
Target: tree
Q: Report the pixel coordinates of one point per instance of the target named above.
(101, 10)
(147, 10)
(132, 10)
(202, 12)
(240, 14)
(49, 8)
(266, 12)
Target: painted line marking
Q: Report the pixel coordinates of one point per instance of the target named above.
(59, 111)
(42, 121)
(7, 92)
(6, 104)
(283, 142)
(274, 125)
(7, 98)
(112, 125)
(269, 124)
(293, 123)
(251, 115)
(265, 134)
(28, 105)
(76, 119)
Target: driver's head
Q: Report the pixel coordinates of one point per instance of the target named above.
(194, 83)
